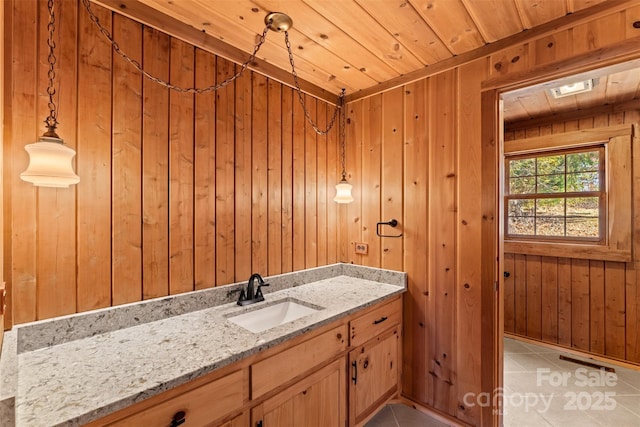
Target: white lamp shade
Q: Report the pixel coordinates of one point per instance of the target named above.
(50, 164)
(343, 192)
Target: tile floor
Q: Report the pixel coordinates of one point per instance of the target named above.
(541, 390)
(398, 415)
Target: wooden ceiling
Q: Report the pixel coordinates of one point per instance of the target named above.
(357, 44)
(615, 85)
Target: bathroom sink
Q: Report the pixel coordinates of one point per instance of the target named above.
(276, 314)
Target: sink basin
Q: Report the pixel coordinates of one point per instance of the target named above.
(276, 314)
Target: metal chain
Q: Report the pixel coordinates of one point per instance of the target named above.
(343, 148)
(301, 98)
(52, 119)
(165, 83)
(243, 66)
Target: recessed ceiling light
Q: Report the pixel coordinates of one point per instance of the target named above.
(572, 89)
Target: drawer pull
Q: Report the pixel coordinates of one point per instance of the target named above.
(354, 377)
(380, 320)
(178, 419)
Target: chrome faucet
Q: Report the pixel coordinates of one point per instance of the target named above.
(250, 297)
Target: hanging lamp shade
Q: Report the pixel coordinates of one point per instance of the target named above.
(343, 192)
(50, 164)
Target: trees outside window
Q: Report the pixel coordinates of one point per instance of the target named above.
(556, 195)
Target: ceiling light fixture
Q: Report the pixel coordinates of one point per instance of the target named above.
(49, 159)
(274, 21)
(343, 188)
(572, 88)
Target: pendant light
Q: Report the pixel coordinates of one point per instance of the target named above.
(49, 159)
(343, 188)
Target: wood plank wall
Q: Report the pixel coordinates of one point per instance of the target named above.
(586, 305)
(178, 192)
(439, 135)
(409, 160)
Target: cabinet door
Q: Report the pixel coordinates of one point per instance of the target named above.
(374, 374)
(317, 401)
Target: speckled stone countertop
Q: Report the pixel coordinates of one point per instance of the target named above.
(75, 369)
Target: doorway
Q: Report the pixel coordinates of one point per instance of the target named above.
(554, 302)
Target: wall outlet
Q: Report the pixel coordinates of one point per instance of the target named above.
(362, 248)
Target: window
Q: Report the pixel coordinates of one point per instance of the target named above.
(558, 195)
(556, 201)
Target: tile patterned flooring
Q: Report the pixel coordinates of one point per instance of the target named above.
(399, 415)
(541, 390)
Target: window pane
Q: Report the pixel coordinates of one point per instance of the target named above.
(549, 226)
(522, 185)
(541, 195)
(583, 206)
(551, 184)
(583, 162)
(521, 207)
(550, 164)
(582, 227)
(583, 181)
(550, 207)
(521, 225)
(522, 167)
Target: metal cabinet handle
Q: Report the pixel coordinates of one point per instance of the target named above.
(380, 320)
(354, 378)
(178, 419)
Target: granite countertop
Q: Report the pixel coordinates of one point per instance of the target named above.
(72, 370)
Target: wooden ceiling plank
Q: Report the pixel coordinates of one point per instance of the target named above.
(513, 110)
(350, 17)
(408, 27)
(597, 11)
(450, 20)
(622, 87)
(241, 15)
(538, 12)
(535, 103)
(495, 19)
(140, 12)
(272, 51)
(325, 33)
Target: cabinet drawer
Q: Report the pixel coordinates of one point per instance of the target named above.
(268, 374)
(201, 405)
(373, 323)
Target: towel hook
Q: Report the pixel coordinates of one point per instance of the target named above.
(392, 223)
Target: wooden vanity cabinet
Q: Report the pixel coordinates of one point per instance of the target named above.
(333, 376)
(319, 400)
